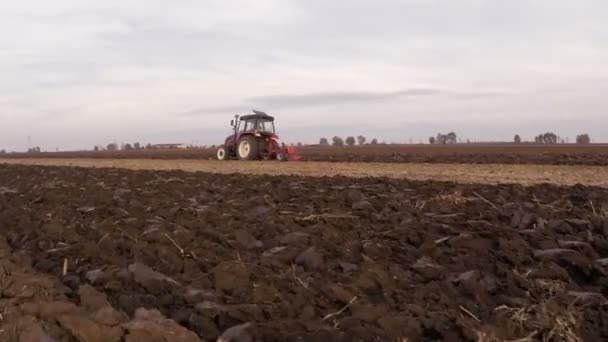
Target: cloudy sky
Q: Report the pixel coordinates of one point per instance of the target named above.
(76, 73)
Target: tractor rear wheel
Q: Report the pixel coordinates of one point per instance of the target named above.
(222, 153)
(247, 149)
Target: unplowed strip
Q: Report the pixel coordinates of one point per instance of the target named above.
(463, 173)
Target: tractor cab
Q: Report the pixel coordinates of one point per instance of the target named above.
(254, 137)
(261, 124)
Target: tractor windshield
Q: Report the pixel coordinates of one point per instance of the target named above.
(265, 126)
(259, 125)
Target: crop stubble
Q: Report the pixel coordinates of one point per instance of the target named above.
(463, 173)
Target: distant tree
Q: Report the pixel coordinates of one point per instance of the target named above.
(33, 150)
(299, 144)
(361, 140)
(338, 141)
(128, 147)
(517, 139)
(3, 151)
(148, 146)
(96, 148)
(583, 139)
(374, 141)
(323, 142)
(432, 140)
(451, 138)
(137, 146)
(550, 138)
(350, 141)
(546, 138)
(112, 147)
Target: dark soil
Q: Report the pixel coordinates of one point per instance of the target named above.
(300, 259)
(594, 154)
(463, 154)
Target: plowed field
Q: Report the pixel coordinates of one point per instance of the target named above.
(89, 254)
(595, 154)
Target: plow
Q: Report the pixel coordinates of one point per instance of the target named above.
(254, 138)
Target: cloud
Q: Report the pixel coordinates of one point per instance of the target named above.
(332, 99)
(214, 111)
(285, 101)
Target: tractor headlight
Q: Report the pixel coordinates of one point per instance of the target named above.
(257, 134)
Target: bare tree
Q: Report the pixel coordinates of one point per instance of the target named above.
(338, 141)
(96, 148)
(374, 141)
(128, 147)
(112, 147)
(583, 139)
(361, 140)
(517, 139)
(137, 146)
(432, 140)
(3, 151)
(451, 138)
(323, 142)
(350, 141)
(550, 138)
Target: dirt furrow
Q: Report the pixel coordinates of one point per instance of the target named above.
(461, 173)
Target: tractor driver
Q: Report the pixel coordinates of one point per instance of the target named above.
(258, 125)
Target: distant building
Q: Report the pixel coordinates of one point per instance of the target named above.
(172, 146)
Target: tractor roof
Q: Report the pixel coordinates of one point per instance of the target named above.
(257, 115)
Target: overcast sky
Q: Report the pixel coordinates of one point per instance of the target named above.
(76, 73)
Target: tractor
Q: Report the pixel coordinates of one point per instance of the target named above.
(253, 137)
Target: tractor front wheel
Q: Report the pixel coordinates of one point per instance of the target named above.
(222, 153)
(247, 149)
(281, 156)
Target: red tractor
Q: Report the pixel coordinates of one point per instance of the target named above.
(254, 138)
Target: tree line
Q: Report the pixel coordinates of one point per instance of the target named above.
(551, 138)
(452, 138)
(350, 141)
(125, 147)
(547, 138)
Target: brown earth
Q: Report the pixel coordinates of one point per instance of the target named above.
(462, 173)
(294, 258)
(563, 154)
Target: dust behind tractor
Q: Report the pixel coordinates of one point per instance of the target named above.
(254, 137)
